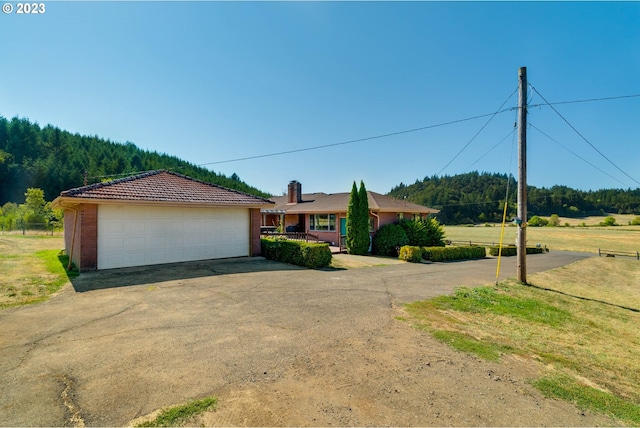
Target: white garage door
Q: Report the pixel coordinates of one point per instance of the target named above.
(130, 235)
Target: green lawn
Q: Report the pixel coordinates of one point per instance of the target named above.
(32, 268)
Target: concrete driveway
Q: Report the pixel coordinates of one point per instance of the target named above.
(120, 344)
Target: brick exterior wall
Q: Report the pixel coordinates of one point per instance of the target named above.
(83, 221)
(254, 233)
(89, 242)
(71, 222)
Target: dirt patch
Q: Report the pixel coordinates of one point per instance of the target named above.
(395, 376)
(350, 261)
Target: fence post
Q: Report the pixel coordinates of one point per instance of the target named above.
(638, 255)
(599, 254)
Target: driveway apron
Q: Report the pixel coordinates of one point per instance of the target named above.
(119, 344)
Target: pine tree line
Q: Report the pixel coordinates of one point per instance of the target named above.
(479, 197)
(55, 160)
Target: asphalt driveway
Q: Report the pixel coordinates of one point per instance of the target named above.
(119, 344)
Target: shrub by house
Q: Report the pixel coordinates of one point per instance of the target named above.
(442, 254)
(310, 255)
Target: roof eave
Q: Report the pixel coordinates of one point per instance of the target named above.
(72, 201)
(408, 210)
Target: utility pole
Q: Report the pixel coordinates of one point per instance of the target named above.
(521, 237)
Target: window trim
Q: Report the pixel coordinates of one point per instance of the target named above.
(313, 221)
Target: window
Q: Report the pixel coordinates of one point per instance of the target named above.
(322, 222)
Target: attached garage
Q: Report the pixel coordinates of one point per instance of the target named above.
(138, 235)
(158, 217)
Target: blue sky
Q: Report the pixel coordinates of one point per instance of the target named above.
(211, 82)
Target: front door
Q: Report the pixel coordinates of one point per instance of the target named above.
(343, 233)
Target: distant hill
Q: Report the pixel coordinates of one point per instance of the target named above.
(478, 197)
(56, 160)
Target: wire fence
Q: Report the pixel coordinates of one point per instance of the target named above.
(41, 229)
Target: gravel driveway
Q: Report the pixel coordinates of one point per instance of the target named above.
(120, 344)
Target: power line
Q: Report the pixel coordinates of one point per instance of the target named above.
(584, 101)
(512, 132)
(584, 138)
(410, 131)
(478, 133)
(575, 154)
(356, 140)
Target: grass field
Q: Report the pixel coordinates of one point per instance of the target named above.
(621, 220)
(30, 269)
(585, 239)
(577, 324)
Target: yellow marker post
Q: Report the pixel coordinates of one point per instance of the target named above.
(504, 219)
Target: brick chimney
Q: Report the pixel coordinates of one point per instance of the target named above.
(294, 192)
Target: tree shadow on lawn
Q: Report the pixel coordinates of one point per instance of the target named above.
(140, 275)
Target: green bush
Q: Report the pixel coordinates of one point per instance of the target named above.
(554, 220)
(609, 221)
(506, 251)
(316, 256)
(388, 238)
(424, 233)
(410, 253)
(635, 221)
(442, 254)
(536, 221)
(511, 251)
(312, 256)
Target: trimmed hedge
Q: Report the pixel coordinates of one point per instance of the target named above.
(506, 251)
(313, 256)
(442, 254)
(512, 251)
(410, 253)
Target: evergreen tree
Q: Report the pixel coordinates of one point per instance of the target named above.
(352, 220)
(363, 222)
(358, 221)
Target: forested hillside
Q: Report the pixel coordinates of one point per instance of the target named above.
(475, 197)
(55, 160)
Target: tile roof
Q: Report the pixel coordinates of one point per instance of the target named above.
(338, 202)
(164, 186)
